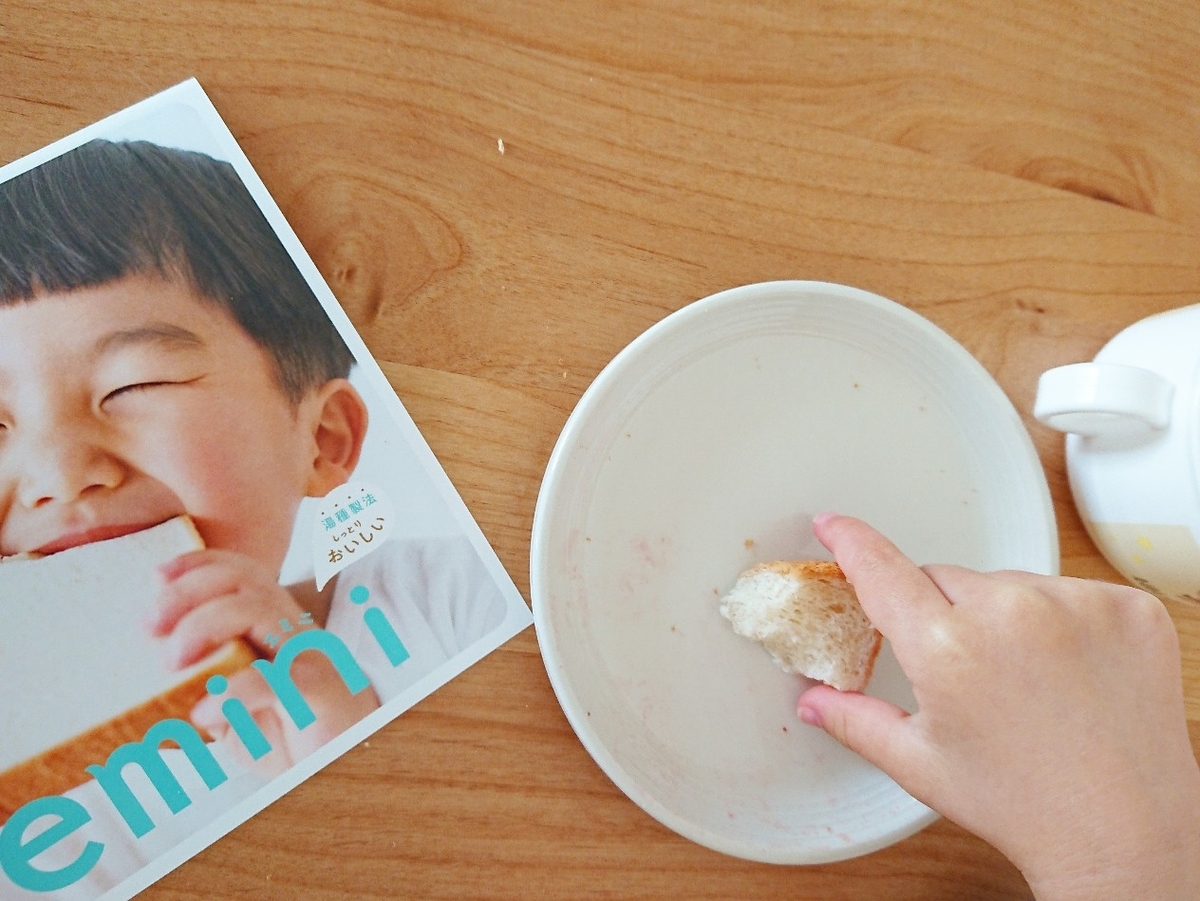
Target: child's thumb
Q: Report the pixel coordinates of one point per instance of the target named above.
(871, 727)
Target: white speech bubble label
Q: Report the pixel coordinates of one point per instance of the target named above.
(351, 522)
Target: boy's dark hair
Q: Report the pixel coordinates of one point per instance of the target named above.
(111, 209)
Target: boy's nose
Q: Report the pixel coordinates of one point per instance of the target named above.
(64, 470)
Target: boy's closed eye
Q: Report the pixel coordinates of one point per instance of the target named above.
(151, 356)
(142, 372)
(140, 387)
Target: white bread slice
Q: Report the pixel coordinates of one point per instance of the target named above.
(808, 617)
(81, 675)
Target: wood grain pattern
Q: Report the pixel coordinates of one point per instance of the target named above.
(1026, 175)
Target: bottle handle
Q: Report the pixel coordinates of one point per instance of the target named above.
(1103, 399)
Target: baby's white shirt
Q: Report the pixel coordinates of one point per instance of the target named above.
(436, 595)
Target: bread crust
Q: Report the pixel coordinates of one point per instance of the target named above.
(62, 767)
(803, 569)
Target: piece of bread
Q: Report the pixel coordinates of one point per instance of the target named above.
(808, 617)
(81, 674)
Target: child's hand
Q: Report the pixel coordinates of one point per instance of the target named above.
(211, 597)
(1050, 723)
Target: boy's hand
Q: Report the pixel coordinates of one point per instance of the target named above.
(1050, 722)
(211, 597)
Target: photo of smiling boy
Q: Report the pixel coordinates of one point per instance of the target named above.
(161, 354)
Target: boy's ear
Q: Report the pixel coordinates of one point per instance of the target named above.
(339, 422)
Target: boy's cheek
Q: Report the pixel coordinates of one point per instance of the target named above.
(17, 533)
(242, 490)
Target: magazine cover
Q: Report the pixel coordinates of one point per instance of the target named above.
(228, 556)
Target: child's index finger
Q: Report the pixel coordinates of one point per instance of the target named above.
(897, 596)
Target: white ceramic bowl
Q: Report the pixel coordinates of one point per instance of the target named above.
(706, 446)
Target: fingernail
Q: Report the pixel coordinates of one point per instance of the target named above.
(821, 518)
(204, 714)
(171, 653)
(809, 716)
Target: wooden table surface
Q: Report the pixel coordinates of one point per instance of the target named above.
(1025, 174)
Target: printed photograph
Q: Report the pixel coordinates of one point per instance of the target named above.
(226, 555)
